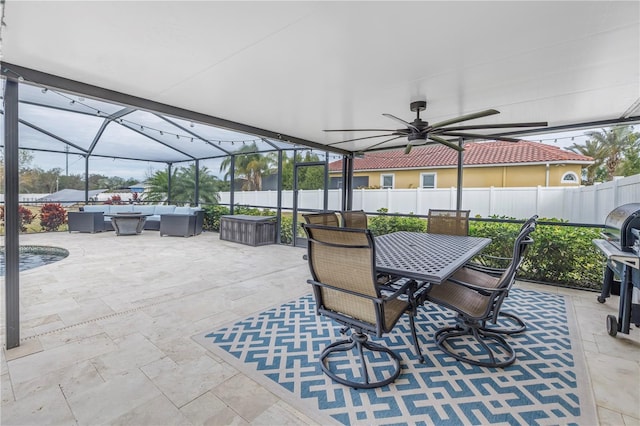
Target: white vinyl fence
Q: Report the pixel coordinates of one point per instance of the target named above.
(588, 204)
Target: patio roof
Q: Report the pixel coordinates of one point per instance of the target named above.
(288, 70)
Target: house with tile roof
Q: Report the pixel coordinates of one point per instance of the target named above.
(485, 164)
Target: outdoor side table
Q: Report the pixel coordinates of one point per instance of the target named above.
(246, 229)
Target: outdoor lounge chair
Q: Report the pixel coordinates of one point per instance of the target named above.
(495, 266)
(354, 219)
(342, 264)
(477, 298)
(324, 218)
(450, 222)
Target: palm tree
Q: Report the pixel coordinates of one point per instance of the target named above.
(250, 166)
(614, 142)
(182, 185)
(593, 149)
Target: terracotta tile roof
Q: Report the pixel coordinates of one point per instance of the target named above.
(476, 153)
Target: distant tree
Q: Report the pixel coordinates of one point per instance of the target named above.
(182, 185)
(308, 177)
(251, 166)
(593, 149)
(630, 165)
(609, 149)
(615, 142)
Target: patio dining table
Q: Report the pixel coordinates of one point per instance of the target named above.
(430, 258)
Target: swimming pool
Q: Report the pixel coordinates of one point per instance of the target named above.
(34, 256)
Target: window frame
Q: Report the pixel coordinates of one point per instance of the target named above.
(575, 178)
(435, 180)
(393, 180)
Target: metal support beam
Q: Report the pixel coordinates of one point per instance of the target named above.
(169, 166)
(279, 214)
(12, 218)
(232, 188)
(197, 189)
(86, 179)
(460, 164)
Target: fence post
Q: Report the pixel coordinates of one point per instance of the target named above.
(491, 200)
(418, 200)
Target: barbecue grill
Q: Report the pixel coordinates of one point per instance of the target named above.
(621, 246)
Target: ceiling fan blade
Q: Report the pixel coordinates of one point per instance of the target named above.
(496, 126)
(383, 142)
(479, 136)
(407, 149)
(360, 130)
(445, 142)
(400, 120)
(473, 116)
(359, 139)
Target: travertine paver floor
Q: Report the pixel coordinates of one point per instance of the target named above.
(106, 334)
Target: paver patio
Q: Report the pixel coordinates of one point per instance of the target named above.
(106, 334)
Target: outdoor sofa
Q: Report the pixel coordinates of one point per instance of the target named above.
(168, 219)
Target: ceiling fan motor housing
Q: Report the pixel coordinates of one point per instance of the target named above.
(418, 106)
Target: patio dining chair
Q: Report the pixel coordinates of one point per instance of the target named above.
(354, 219)
(322, 218)
(495, 266)
(450, 222)
(477, 297)
(342, 264)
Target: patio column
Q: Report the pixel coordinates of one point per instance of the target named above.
(12, 219)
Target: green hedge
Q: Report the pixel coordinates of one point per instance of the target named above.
(561, 255)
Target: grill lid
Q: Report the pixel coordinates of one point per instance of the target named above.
(619, 223)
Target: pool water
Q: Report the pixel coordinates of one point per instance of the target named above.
(34, 256)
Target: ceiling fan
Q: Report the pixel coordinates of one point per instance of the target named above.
(419, 131)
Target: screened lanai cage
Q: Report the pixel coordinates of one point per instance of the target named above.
(92, 146)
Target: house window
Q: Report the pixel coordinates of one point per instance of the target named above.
(569, 177)
(386, 181)
(427, 180)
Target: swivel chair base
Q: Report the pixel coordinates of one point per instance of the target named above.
(507, 324)
(494, 349)
(360, 342)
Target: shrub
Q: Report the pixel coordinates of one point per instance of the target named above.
(212, 217)
(381, 225)
(26, 217)
(559, 255)
(52, 216)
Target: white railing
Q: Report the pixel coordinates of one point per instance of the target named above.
(588, 204)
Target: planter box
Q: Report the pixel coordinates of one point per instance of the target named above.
(250, 230)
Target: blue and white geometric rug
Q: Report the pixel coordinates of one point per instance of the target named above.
(547, 384)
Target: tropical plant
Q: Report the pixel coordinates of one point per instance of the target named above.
(615, 152)
(250, 166)
(24, 214)
(52, 216)
(593, 149)
(182, 186)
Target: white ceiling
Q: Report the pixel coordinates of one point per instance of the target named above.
(297, 68)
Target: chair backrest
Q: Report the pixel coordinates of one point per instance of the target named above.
(450, 222)
(343, 258)
(324, 218)
(508, 277)
(354, 219)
